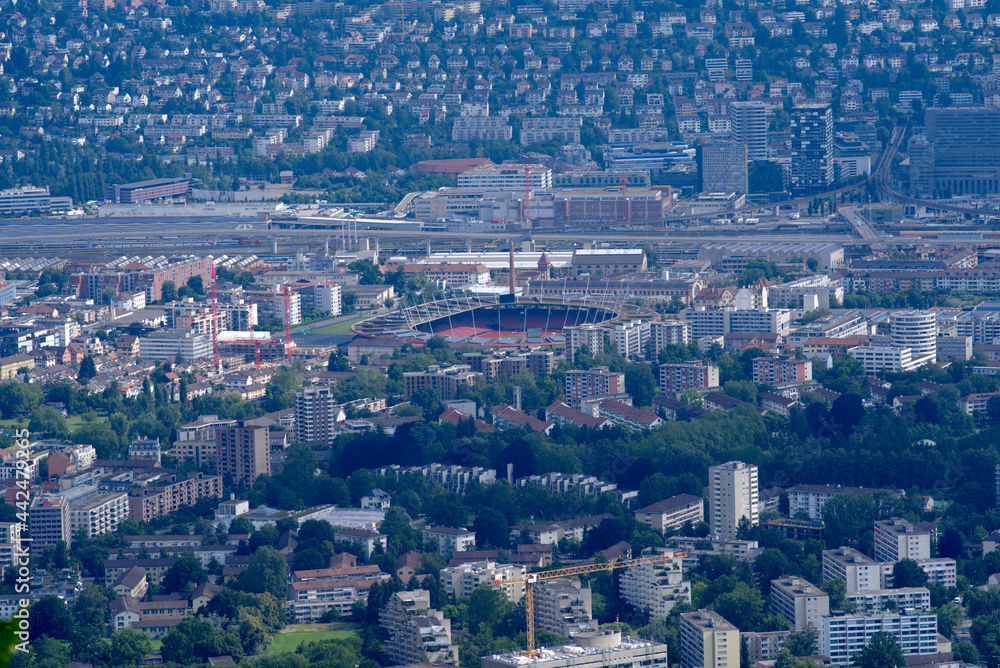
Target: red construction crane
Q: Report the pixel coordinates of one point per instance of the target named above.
(288, 313)
(215, 324)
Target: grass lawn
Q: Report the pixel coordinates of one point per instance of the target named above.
(340, 327)
(74, 422)
(157, 644)
(290, 637)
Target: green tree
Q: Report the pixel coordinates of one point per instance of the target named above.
(369, 272)
(849, 517)
(338, 362)
(184, 575)
(48, 421)
(87, 369)
(802, 642)
(91, 607)
(129, 647)
(882, 651)
(168, 292)
(907, 573)
(196, 284)
(280, 392)
(252, 630)
(266, 573)
(691, 397)
(50, 617)
(486, 609)
(640, 383)
(491, 528)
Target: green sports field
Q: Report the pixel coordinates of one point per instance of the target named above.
(293, 635)
(341, 327)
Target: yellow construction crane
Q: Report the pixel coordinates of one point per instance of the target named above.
(533, 578)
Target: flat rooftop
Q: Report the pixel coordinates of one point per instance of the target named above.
(545, 654)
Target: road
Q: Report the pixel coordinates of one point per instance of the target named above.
(865, 230)
(400, 209)
(206, 237)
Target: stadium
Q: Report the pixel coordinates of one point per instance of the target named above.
(500, 322)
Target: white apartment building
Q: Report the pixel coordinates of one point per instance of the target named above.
(453, 479)
(897, 539)
(9, 533)
(486, 128)
(506, 177)
(860, 572)
(878, 600)
(316, 415)
(363, 143)
(939, 571)
(876, 359)
(708, 641)
(809, 293)
(718, 322)
(799, 601)
(450, 540)
(459, 581)
(99, 515)
(842, 636)
(672, 513)
(416, 631)
(169, 344)
(544, 129)
(630, 338)
(734, 494)
(563, 606)
(667, 333)
(656, 588)
(916, 330)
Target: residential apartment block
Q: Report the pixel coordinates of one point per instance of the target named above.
(841, 636)
(734, 495)
(708, 641)
(596, 382)
(450, 540)
(897, 539)
(799, 601)
(672, 513)
(445, 379)
(243, 451)
(777, 370)
(460, 581)
(563, 606)
(676, 378)
(655, 588)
